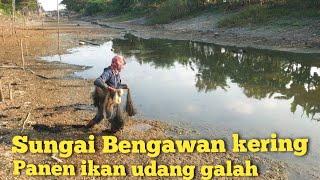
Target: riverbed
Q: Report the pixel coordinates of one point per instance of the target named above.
(217, 90)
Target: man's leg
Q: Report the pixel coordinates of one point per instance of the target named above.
(102, 98)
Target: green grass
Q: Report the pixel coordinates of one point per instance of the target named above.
(156, 19)
(266, 14)
(5, 9)
(169, 11)
(128, 16)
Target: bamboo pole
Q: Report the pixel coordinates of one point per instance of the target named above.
(10, 91)
(24, 24)
(13, 10)
(58, 27)
(27, 51)
(1, 93)
(3, 38)
(11, 29)
(22, 56)
(43, 27)
(25, 122)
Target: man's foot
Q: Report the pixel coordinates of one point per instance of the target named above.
(107, 131)
(90, 124)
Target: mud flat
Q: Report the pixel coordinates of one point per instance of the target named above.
(204, 28)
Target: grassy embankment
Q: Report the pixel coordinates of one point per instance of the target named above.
(237, 14)
(287, 14)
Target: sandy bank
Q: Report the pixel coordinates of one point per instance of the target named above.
(204, 28)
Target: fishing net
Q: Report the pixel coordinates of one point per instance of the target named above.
(129, 105)
(113, 109)
(97, 96)
(117, 122)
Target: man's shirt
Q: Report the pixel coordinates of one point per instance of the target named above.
(108, 77)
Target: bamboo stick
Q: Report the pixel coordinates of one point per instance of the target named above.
(1, 93)
(42, 27)
(58, 27)
(3, 38)
(24, 21)
(13, 10)
(11, 28)
(22, 56)
(10, 92)
(27, 51)
(10, 67)
(55, 158)
(25, 122)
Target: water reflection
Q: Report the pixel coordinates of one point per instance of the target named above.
(217, 90)
(260, 74)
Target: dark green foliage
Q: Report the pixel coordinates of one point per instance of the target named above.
(273, 11)
(164, 11)
(75, 5)
(6, 5)
(31, 5)
(95, 6)
(174, 9)
(6, 8)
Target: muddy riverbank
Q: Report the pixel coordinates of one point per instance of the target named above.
(204, 28)
(48, 102)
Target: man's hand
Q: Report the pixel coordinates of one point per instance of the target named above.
(124, 86)
(111, 89)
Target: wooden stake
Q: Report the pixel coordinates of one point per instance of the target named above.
(3, 38)
(24, 21)
(11, 28)
(10, 67)
(25, 122)
(42, 27)
(55, 158)
(58, 14)
(1, 94)
(22, 56)
(13, 10)
(27, 51)
(10, 92)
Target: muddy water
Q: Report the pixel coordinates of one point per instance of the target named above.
(218, 90)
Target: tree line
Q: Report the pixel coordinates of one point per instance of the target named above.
(30, 5)
(163, 11)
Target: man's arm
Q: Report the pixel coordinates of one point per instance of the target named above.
(100, 81)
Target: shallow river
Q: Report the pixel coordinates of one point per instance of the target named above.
(217, 90)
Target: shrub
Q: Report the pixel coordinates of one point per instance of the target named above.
(273, 10)
(170, 10)
(95, 6)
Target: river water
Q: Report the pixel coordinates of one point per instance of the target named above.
(217, 90)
